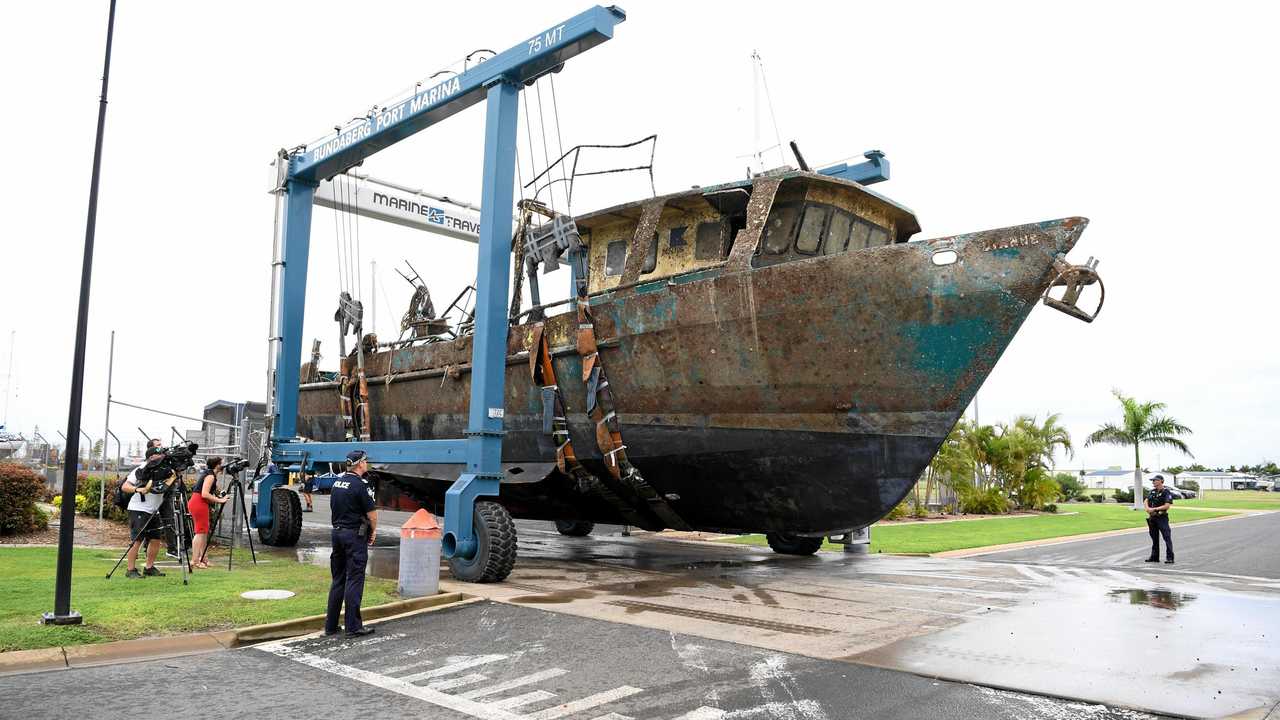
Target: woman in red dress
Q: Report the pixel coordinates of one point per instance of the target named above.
(205, 492)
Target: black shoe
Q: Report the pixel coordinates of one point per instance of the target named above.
(331, 633)
(133, 574)
(1153, 559)
(1168, 561)
(307, 510)
(152, 572)
(361, 632)
(172, 553)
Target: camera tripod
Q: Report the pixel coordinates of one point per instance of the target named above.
(235, 489)
(175, 497)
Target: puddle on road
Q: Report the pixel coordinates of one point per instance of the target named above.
(384, 562)
(1205, 653)
(1162, 599)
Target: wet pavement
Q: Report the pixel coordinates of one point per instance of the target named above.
(1240, 546)
(505, 662)
(1155, 638)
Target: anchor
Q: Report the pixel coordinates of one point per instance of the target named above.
(1075, 278)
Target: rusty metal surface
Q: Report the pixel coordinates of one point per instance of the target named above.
(801, 396)
(744, 245)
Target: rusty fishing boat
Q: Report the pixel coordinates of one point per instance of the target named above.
(773, 355)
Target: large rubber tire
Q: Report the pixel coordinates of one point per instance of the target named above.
(286, 521)
(785, 544)
(575, 528)
(496, 546)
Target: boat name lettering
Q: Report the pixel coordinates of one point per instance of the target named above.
(432, 214)
(1013, 242)
(388, 117)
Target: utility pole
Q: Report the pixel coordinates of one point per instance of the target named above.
(106, 430)
(62, 613)
(373, 295)
(8, 379)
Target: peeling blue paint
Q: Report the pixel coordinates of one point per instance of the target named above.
(947, 349)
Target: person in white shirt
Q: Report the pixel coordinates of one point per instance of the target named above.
(142, 529)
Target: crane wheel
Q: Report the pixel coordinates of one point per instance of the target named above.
(496, 546)
(286, 520)
(785, 544)
(575, 528)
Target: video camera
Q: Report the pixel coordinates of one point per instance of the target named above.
(235, 467)
(163, 470)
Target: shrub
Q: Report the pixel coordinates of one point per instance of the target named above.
(1069, 488)
(1098, 497)
(87, 489)
(990, 501)
(919, 511)
(1123, 496)
(1191, 485)
(898, 512)
(1050, 508)
(20, 488)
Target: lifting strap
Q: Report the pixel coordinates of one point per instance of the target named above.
(544, 375)
(601, 410)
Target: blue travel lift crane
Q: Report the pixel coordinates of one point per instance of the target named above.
(497, 81)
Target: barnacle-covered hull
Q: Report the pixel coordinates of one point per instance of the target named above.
(799, 397)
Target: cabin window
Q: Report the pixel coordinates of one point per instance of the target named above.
(676, 238)
(651, 258)
(815, 216)
(737, 223)
(858, 238)
(615, 258)
(837, 232)
(879, 236)
(778, 229)
(709, 244)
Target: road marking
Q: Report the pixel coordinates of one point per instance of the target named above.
(1031, 573)
(703, 713)
(453, 668)
(401, 668)
(1127, 578)
(585, 703)
(451, 683)
(528, 698)
(613, 716)
(513, 684)
(462, 705)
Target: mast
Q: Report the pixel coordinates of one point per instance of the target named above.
(8, 379)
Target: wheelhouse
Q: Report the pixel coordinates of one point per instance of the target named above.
(811, 216)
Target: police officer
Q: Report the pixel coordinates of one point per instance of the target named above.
(355, 524)
(1157, 504)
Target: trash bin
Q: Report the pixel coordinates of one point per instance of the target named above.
(419, 556)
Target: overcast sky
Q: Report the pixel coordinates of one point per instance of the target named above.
(1155, 120)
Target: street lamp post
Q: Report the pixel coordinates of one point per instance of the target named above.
(62, 613)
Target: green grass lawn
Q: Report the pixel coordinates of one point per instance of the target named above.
(1235, 500)
(120, 609)
(939, 537)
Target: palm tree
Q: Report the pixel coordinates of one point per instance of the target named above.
(1143, 423)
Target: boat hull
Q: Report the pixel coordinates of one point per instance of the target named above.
(802, 397)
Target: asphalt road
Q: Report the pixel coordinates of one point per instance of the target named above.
(501, 662)
(1241, 546)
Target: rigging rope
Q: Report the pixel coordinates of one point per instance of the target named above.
(555, 106)
(542, 128)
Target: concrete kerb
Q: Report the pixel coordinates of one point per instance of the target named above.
(19, 662)
(1060, 540)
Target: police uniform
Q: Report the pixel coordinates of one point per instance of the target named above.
(1158, 524)
(350, 501)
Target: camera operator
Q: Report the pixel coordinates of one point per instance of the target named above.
(355, 525)
(203, 493)
(142, 506)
